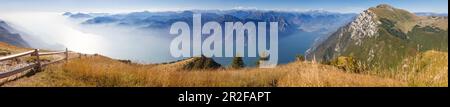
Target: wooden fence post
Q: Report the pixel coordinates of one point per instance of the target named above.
(38, 61)
(67, 54)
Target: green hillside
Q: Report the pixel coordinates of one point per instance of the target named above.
(399, 34)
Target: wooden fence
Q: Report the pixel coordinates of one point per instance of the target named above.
(36, 65)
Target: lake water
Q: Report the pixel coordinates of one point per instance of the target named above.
(289, 46)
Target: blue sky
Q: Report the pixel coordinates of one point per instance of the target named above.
(346, 6)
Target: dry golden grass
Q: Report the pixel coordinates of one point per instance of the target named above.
(12, 49)
(427, 69)
(98, 71)
(327, 76)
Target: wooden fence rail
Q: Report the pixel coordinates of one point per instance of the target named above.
(16, 55)
(37, 65)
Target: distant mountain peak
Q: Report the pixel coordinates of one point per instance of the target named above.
(402, 19)
(67, 13)
(386, 6)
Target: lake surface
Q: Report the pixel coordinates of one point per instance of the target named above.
(289, 46)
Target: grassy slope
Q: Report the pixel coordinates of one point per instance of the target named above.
(429, 68)
(402, 35)
(11, 48)
(102, 71)
(389, 50)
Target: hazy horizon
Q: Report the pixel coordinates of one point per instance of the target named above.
(124, 6)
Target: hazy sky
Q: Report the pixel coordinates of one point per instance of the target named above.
(438, 6)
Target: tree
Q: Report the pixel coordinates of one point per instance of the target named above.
(300, 57)
(262, 57)
(237, 63)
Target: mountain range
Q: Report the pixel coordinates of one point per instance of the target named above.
(298, 31)
(288, 21)
(430, 14)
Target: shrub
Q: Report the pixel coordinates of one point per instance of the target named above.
(202, 63)
(125, 61)
(4, 52)
(348, 64)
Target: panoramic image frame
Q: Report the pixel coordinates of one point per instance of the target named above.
(258, 48)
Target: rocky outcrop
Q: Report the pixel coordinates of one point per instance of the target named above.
(364, 25)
